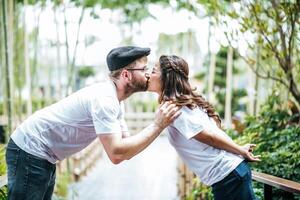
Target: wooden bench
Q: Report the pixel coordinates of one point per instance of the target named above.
(270, 181)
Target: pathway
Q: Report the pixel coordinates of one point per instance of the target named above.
(151, 175)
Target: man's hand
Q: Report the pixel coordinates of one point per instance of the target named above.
(248, 149)
(166, 114)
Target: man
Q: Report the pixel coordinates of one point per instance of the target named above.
(68, 126)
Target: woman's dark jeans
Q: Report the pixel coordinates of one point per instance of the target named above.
(236, 186)
(29, 177)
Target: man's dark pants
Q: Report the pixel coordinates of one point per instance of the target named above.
(29, 177)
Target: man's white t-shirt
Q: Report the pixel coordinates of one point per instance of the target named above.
(68, 126)
(208, 163)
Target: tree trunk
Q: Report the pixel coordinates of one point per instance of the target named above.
(211, 77)
(209, 56)
(228, 87)
(58, 59)
(18, 62)
(26, 64)
(33, 67)
(67, 46)
(72, 65)
(7, 66)
(256, 83)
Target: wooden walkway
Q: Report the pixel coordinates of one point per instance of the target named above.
(151, 175)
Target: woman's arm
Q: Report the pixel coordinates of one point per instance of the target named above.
(222, 142)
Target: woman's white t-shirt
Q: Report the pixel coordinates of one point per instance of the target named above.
(208, 163)
(68, 126)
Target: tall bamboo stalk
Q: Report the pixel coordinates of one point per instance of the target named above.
(7, 70)
(33, 68)
(72, 64)
(255, 103)
(67, 45)
(26, 63)
(209, 56)
(58, 59)
(211, 76)
(228, 97)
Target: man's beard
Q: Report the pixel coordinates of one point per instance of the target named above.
(136, 86)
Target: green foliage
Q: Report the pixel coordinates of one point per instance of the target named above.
(277, 139)
(1, 108)
(275, 27)
(200, 191)
(220, 84)
(86, 71)
(134, 11)
(146, 106)
(276, 132)
(3, 193)
(200, 76)
(2, 160)
(62, 182)
(3, 190)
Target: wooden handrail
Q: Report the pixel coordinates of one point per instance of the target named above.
(270, 181)
(283, 184)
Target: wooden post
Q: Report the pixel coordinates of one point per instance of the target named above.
(267, 192)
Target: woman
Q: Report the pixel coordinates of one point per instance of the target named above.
(197, 135)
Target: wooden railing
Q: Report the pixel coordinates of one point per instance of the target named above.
(270, 181)
(80, 163)
(137, 121)
(84, 160)
(186, 182)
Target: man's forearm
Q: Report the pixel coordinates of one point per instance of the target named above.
(133, 145)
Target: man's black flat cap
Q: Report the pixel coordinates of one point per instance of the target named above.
(120, 57)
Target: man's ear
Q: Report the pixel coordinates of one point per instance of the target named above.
(126, 75)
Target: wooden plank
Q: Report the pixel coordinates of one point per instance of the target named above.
(283, 184)
(3, 180)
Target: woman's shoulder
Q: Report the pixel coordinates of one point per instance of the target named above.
(193, 111)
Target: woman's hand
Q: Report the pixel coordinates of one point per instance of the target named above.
(166, 114)
(247, 153)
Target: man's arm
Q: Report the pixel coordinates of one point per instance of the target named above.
(119, 149)
(222, 142)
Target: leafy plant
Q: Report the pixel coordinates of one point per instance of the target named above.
(86, 71)
(3, 193)
(3, 190)
(277, 138)
(200, 191)
(220, 83)
(63, 180)
(276, 132)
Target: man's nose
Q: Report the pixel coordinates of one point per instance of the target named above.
(147, 75)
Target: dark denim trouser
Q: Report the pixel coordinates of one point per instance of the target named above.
(29, 177)
(236, 186)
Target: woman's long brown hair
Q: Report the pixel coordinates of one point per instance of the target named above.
(176, 86)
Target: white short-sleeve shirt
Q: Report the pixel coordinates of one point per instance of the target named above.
(68, 126)
(208, 163)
